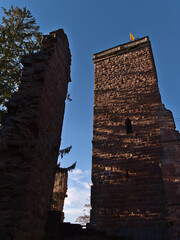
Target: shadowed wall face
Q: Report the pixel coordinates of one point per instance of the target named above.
(31, 139)
(128, 189)
(171, 169)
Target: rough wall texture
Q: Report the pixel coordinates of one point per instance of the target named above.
(59, 193)
(171, 169)
(128, 195)
(31, 139)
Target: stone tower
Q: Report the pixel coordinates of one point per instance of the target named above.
(135, 162)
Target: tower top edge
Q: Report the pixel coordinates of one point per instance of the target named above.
(120, 48)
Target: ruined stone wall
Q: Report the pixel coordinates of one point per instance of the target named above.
(171, 169)
(59, 192)
(128, 194)
(31, 139)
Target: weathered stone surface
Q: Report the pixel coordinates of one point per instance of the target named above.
(59, 193)
(171, 169)
(31, 139)
(131, 158)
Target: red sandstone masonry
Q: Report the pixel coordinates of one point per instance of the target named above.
(59, 193)
(31, 139)
(129, 194)
(171, 169)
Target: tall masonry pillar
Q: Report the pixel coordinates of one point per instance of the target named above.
(131, 183)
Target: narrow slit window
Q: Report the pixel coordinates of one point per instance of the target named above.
(128, 126)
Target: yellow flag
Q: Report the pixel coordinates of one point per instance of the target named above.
(132, 38)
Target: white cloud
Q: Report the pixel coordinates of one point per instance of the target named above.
(78, 194)
(73, 211)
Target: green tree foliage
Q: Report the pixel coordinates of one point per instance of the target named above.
(62, 153)
(65, 151)
(19, 35)
(70, 168)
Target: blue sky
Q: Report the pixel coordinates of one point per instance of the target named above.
(93, 26)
